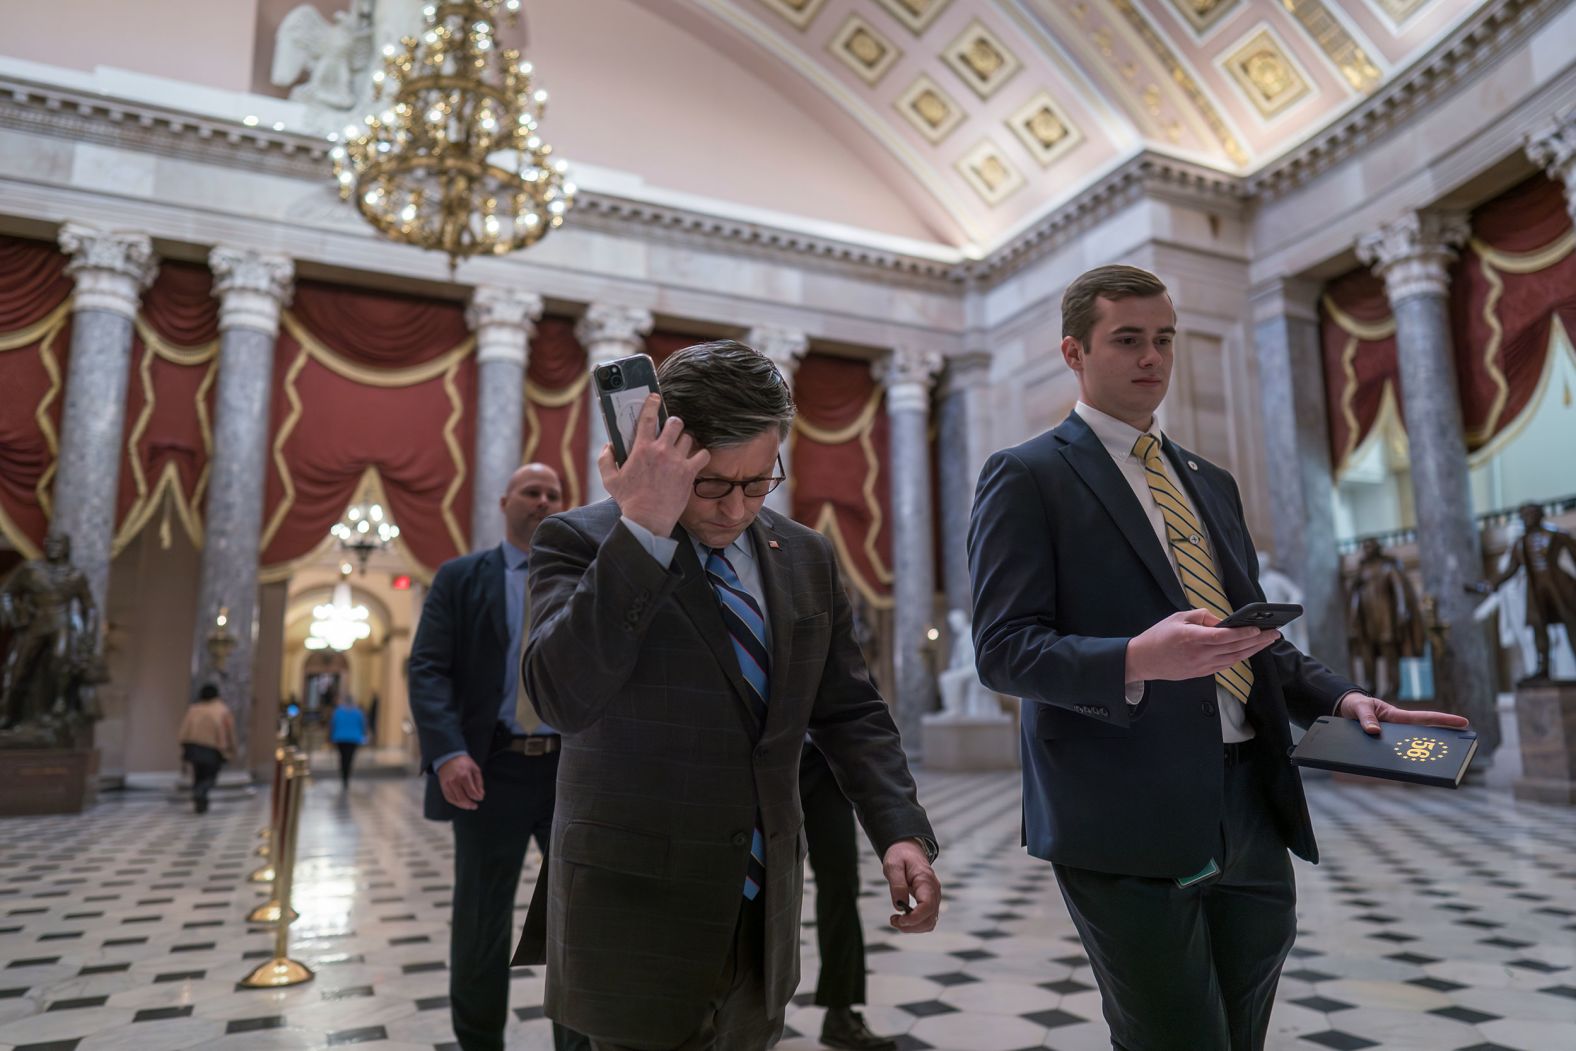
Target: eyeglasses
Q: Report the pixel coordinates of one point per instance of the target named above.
(720, 488)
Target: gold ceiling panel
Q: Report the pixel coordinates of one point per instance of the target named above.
(915, 14)
(1043, 128)
(1336, 43)
(1182, 78)
(1401, 10)
(1203, 14)
(798, 12)
(981, 60)
(864, 50)
(1266, 74)
(988, 171)
(931, 111)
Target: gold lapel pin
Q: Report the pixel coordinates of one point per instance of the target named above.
(1192, 465)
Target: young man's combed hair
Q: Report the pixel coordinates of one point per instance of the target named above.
(726, 393)
(1111, 282)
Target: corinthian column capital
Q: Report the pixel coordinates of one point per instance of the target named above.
(907, 374)
(110, 268)
(784, 346)
(608, 331)
(504, 320)
(1552, 147)
(1413, 253)
(253, 287)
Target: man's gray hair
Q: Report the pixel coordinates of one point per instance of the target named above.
(726, 393)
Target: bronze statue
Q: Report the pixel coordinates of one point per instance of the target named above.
(53, 664)
(1385, 618)
(1551, 591)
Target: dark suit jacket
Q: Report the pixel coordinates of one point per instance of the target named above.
(664, 766)
(456, 665)
(1066, 569)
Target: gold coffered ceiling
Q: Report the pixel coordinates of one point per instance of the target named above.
(1003, 109)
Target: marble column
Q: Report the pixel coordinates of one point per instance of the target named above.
(504, 320)
(963, 443)
(252, 289)
(1297, 455)
(607, 332)
(1553, 148)
(111, 269)
(907, 374)
(785, 347)
(1413, 255)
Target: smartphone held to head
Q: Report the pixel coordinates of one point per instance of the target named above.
(622, 387)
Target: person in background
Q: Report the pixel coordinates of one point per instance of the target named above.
(347, 729)
(493, 761)
(207, 739)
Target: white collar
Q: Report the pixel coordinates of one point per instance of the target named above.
(1117, 437)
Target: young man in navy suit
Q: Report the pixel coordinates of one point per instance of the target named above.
(1155, 770)
(492, 762)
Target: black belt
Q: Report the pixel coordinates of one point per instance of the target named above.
(1238, 752)
(535, 744)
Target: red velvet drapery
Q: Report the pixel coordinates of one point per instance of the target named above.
(170, 402)
(370, 384)
(35, 341)
(840, 485)
(1357, 334)
(556, 428)
(1514, 278)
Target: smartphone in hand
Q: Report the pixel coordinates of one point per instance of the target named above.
(1262, 615)
(622, 386)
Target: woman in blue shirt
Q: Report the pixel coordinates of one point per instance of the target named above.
(348, 730)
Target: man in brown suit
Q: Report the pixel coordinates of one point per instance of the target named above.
(684, 640)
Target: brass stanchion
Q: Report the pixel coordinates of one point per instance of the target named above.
(293, 771)
(281, 971)
(265, 873)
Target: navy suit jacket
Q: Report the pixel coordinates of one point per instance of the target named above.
(1066, 570)
(456, 665)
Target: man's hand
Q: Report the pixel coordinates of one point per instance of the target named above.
(654, 485)
(1371, 711)
(1187, 645)
(908, 872)
(461, 781)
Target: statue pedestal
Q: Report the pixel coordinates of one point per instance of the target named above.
(45, 781)
(1546, 720)
(970, 744)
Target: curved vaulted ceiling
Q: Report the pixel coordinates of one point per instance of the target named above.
(998, 110)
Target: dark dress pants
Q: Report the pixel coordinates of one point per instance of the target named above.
(205, 763)
(489, 851)
(1194, 968)
(347, 759)
(833, 844)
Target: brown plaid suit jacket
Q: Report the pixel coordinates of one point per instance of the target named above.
(664, 766)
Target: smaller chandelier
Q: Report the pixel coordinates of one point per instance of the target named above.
(338, 625)
(454, 161)
(365, 528)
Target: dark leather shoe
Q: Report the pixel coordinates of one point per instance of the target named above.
(845, 1028)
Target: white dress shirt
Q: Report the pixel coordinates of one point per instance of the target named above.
(1118, 439)
(740, 554)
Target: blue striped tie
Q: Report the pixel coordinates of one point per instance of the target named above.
(747, 630)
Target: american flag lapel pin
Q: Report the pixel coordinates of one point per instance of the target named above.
(774, 545)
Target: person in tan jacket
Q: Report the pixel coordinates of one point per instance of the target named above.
(207, 738)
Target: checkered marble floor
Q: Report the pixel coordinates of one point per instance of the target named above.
(1439, 921)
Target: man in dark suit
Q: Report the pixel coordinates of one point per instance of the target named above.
(492, 761)
(1155, 769)
(685, 640)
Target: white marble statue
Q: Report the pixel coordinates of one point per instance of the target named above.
(338, 57)
(1509, 600)
(963, 696)
(1278, 587)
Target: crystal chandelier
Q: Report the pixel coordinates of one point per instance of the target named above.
(454, 161)
(365, 528)
(338, 625)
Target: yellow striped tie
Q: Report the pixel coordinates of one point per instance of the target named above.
(1195, 567)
